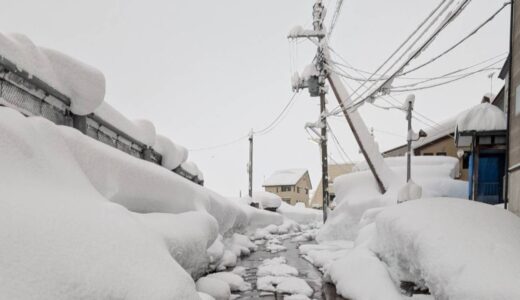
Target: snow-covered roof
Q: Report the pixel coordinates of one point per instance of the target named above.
(285, 177)
(83, 84)
(173, 155)
(482, 117)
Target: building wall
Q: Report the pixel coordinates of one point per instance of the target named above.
(514, 116)
(442, 146)
(334, 171)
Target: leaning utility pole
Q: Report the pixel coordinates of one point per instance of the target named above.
(250, 164)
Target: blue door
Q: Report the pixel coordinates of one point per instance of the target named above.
(490, 178)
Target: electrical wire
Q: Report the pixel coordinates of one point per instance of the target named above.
(276, 121)
(460, 41)
(335, 17)
(416, 53)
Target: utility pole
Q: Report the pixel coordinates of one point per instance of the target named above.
(315, 82)
(318, 15)
(409, 137)
(250, 164)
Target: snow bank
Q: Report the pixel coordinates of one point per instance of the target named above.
(483, 117)
(140, 130)
(146, 188)
(267, 200)
(86, 88)
(299, 214)
(257, 218)
(457, 248)
(173, 155)
(60, 238)
(357, 192)
(187, 237)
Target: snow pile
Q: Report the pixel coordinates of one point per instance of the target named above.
(276, 276)
(140, 130)
(257, 218)
(301, 215)
(86, 88)
(357, 192)
(483, 117)
(459, 249)
(267, 200)
(361, 275)
(61, 239)
(146, 188)
(187, 246)
(173, 155)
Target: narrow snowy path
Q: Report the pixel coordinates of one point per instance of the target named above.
(306, 271)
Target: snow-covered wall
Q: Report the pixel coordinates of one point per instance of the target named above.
(86, 88)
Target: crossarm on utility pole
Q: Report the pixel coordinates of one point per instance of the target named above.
(382, 173)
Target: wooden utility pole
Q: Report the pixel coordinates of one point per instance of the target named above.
(250, 164)
(409, 108)
(318, 14)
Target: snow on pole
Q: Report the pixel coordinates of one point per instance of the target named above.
(382, 173)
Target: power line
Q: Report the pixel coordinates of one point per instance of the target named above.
(263, 131)
(416, 53)
(459, 42)
(432, 13)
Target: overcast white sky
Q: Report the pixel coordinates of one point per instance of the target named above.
(205, 72)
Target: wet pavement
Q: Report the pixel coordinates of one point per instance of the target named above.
(322, 290)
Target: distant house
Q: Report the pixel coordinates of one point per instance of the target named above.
(334, 171)
(292, 185)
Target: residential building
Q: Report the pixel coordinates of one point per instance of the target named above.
(335, 170)
(292, 185)
(439, 141)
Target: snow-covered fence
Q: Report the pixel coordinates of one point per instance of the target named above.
(32, 96)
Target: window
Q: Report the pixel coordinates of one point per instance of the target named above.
(441, 153)
(286, 188)
(306, 191)
(298, 190)
(427, 154)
